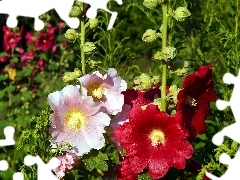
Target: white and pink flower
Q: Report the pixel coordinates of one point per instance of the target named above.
(106, 89)
(67, 163)
(77, 120)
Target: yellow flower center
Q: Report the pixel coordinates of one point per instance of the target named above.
(157, 137)
(95, 90)
(75, 119)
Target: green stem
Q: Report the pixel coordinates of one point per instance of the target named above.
(164, 66)
(236, 21)
(82, 45)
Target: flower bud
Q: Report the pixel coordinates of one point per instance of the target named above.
(167, 53)
(79, 4)
(68, 76)
(71, 35)
(75, 11)
(181, 13)
(77, 73)
(151, 4)
(143, 82)
(88, 47)
(149, 36)
(93, 23)
(180, 67)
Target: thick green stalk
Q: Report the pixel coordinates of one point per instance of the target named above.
(82, 45)
(164, 66)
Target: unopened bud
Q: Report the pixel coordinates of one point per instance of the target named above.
(167, 53)
(181, 13)
(75, 11)
(77, 73)
(68, 76)
(71, 35)
(93, 23)
(151, 4)
(149, 36)
(143, 82)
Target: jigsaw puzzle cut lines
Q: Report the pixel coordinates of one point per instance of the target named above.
(35, 8)
(231, 131)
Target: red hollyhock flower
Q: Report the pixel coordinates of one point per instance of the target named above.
(11, 38)
(139, 98)
(124, 172)
(155, 140)
(30, 39)
(194, 101)
(45, 40)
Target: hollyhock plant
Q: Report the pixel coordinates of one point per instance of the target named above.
(194, 101)
(106, 89)
(67, 163)
(77, 120)
(154, 140)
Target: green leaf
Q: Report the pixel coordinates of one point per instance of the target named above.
(199, 145)
(144, 177)
(10, 88)
(3, 54)
(95, 160)
(26, 71)
(202, 136)
(43, 56)
(14, 60)
(26, 95)
(2, 93)
(3, 77)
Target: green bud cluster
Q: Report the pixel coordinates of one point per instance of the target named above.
(151, 4)
(92, 62)
(167, 54)
(150, 36)
(75, 11)
(93, 23)
(71, 76)
(181, 13)
(171, 98)
(89, 47)
(180, 67)
(71, 35)
(143, 82)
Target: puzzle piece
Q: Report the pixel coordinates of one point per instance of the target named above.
(35, 8)
(44, 171)
(233, 167)
(9, 133)
(231, 131)
(101, 4)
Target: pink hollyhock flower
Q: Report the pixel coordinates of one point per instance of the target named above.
(4, 59)
(41, 65)
(106, 89)
(61, 25)
(77, 120)
(11, 39)
(154, 140)
(30, 39)
(29, 55)
(194, 101)
(67, 163)
(45, 40)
